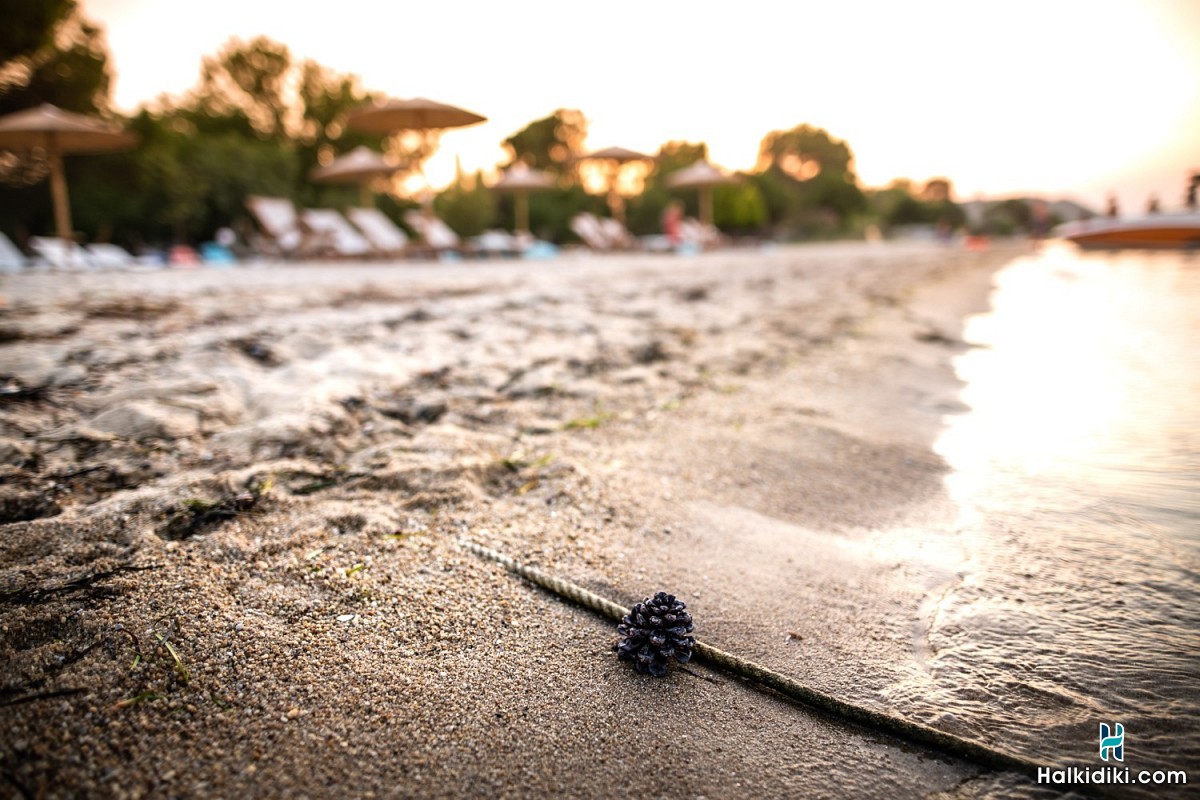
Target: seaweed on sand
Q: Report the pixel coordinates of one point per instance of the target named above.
(90, 583)
(195, 514)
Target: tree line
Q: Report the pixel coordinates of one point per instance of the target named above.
(258, 119)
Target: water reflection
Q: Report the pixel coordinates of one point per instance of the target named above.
(1085, 371)
(1078, 472)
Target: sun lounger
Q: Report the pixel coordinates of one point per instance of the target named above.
(695, 232)
(383, 234)
(59, 253)
(603, 235)
(109, 256)
(344, 239)
(496, 243)
(435, 234)
(587, 227)
(617, 233)
(11, 259)
(283, 231)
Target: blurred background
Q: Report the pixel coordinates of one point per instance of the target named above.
(842, 119)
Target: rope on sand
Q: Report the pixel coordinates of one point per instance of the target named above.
(905, 729)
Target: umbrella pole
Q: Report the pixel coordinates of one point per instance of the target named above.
(706, 205)
(522, 200)
(58, 190)
(364, 194)
(615, 204)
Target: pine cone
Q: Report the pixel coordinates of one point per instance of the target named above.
(653, 631)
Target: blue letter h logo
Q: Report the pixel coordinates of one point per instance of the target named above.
(1112, 742)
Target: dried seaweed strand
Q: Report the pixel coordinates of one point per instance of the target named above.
(39, 594)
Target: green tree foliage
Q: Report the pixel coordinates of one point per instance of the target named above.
(1007, 217)
(49, 53)
(806, 179)
(739, 209)
(467, 206)
(29, 26)
(903, 204)
(250, 80)
(805, 152)
(551, 143)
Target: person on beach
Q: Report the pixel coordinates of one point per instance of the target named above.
(672, 223)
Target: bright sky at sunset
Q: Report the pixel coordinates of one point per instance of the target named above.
(1060, 97)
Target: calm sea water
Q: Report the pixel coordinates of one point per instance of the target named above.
(1077, 470)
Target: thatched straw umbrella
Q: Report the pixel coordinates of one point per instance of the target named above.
(702, 176)
(61, 133)
(521, 180)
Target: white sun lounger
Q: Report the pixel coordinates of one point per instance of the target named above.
(11, 259)
(343, 238)
(109, 256)
(59, 253)
(386, 237)
(280, 223)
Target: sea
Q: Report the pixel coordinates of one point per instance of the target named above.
(1076, 469)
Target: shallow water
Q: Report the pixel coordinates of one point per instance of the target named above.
(1076, 598)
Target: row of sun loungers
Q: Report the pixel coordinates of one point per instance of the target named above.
(63, 255)
(367, 232)
(287, 232)
(360, 233)
(66, 256)
(605, 235)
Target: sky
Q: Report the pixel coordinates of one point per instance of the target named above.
(1061, 98)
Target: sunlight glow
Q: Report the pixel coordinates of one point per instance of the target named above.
(1064, 97)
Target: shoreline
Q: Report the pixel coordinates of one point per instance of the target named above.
(633, 424)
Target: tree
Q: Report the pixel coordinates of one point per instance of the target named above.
(739, 208)
(467, 205)
(551, 143)
(902, 203)
(937, 190)
(49, 53)
(28, 27)
(805, 152)
(807, 181)
(248, 79)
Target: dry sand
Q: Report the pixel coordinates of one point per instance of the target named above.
(288, 456)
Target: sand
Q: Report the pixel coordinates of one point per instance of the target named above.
(233, 500)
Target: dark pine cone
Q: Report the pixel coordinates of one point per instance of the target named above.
(653, 631)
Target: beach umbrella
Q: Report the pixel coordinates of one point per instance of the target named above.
(616, 157)
(621, 155)
(361, 165)
(702, 176)
(417, 114)
(61, 133)
(521, 180)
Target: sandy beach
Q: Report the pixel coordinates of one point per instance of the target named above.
(233, 501)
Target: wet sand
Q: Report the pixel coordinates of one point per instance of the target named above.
(233, 500)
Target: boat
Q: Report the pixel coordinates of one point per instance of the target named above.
(1152, 231)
